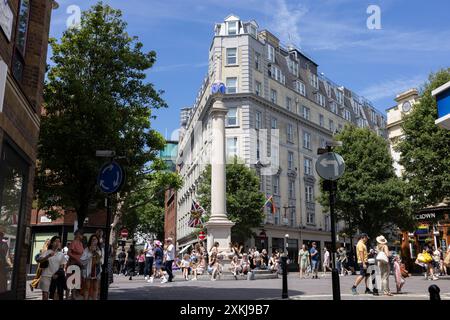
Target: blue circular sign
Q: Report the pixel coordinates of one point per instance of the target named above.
(218, 87)
(110, 177)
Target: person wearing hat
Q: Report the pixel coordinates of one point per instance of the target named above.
(362, 258)
(383, 263)
(159, 256)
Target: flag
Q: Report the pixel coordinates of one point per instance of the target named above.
(197, 214)
(270, 203)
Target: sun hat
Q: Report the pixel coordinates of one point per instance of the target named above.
(381, 240)
(158, 243)
(169, 239)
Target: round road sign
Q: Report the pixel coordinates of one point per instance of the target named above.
(330, 166)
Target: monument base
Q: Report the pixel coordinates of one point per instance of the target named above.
(219, 231)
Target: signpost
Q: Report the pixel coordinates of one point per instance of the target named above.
(110, 180)
(442, 95)
(331, 166)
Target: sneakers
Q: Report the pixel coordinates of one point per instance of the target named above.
(354, 292)
(164, 280)
(146, 278)
(434, 278)
(150, 280)
(194, 279)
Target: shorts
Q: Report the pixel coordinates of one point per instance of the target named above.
(44, 283)
(362, 271)
(314, 265)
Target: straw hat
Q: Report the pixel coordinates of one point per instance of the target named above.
(169, 239)
(381, 240)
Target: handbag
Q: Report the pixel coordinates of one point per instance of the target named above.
(424, 257)
(381, 256)
(403, 271)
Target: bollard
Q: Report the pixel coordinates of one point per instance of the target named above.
(434, 292)
(284, 294)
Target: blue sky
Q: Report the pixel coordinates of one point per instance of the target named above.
(378, 64)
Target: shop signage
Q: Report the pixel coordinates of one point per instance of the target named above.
(6, 18)
(442, 95)
(425, 216)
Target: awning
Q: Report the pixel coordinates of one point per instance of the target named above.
(184, 249)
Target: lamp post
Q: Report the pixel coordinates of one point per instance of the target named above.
(284, 257)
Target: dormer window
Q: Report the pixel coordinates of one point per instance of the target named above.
(232, 27)
(271, 53)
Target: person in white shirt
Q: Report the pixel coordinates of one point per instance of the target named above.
(54, 259)
(148, 250)
(169, 256)
(326, 261)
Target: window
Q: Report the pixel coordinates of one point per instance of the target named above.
(258, 88)
(232, 117)
(321, 120)
(231, 56)
(231, 84)
(308, 166)
(305, 112)
(327, 223)
(331, 125)
(293, 67)
(232, 147)
(347, 115)
(289, 103)
(373, 116)
(258, 149)
(232, 27)
(22, 26)
(339, 96)
(257, 60)
(320, 99)
(276, 184)
(273, 96)
(314, 80)
(333, 107)
(307, 140)
(276, 74)
(290, 160)
(292, 220)
(258, 123)
(271, 53)
(290, 132)
(291, 189)
(309, 193)
(252, 30)
(310, 217)
(13, 180)
(274, 123)
(300, 87)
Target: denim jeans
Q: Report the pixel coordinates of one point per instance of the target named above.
(148, 271)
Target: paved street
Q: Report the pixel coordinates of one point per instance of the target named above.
(416, 288)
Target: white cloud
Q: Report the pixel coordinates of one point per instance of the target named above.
(391, 88)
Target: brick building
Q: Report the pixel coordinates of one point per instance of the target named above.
(170, 214)
(24, 29)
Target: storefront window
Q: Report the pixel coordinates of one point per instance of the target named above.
(12, 180)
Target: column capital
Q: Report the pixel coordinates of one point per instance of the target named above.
(218, 108)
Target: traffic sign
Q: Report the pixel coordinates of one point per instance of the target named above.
(124, 233)
(202, 235)
(330, 166)
(111, 177)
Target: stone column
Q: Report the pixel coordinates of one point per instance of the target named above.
(218, 226)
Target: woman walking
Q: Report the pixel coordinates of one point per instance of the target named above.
(51, 260)
(92, 260)
(159, 255)
(35, 282)
(141, 262)
(382, 259)
(303, 260)
(399, 274)
(131, 261)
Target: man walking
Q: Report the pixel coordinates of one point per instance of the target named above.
(169, 258)
(315, 254)
(148, 270)
(362, 257)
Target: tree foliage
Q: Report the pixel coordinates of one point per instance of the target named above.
(425, 149)
(144, 207)
(244, 199)
(95, 99)
(370, 197)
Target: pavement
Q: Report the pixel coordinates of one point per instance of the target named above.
(415, 288)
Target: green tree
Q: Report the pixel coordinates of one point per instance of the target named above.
(143, 209)
(425, 149)
(244, 199)
(370, 196)
(95, 99)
